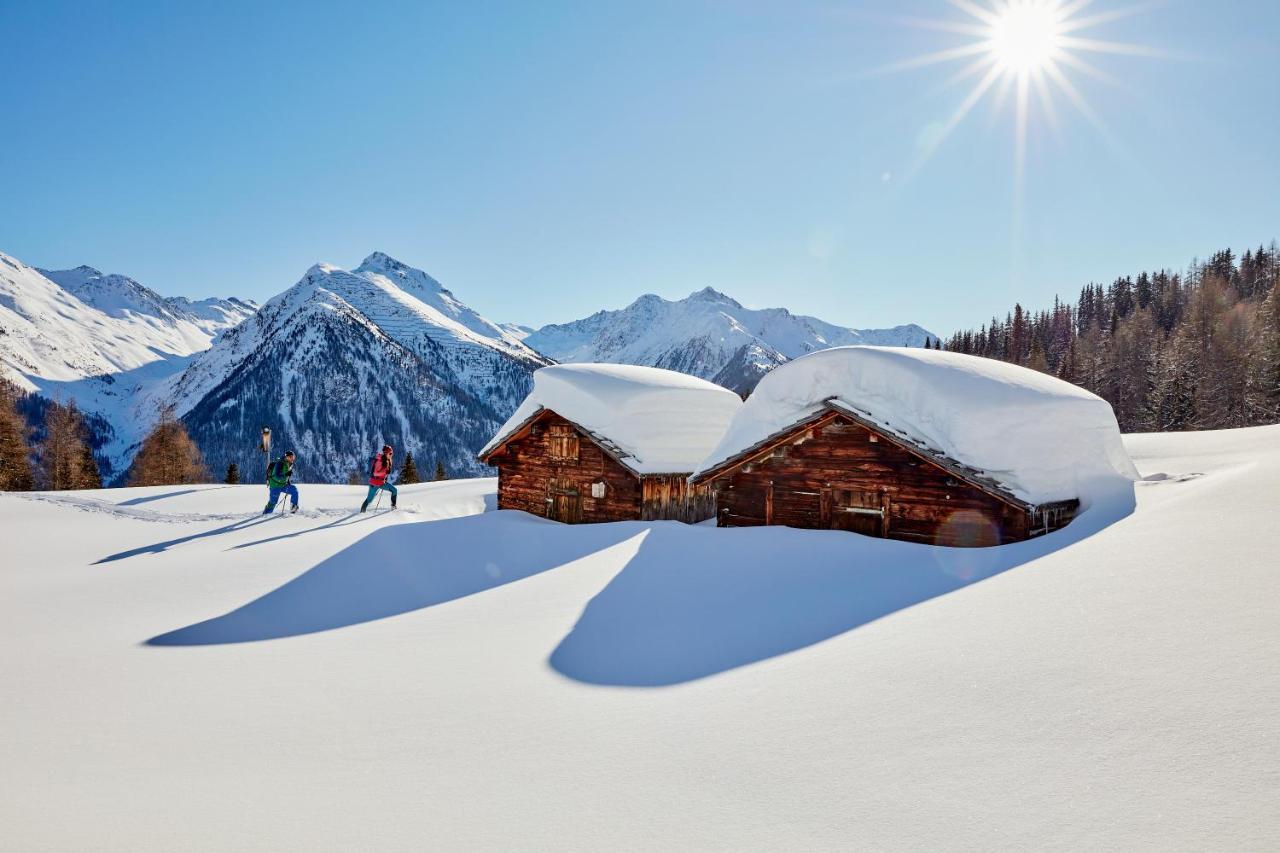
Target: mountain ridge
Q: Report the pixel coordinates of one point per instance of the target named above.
(708, 334)
(346, 360)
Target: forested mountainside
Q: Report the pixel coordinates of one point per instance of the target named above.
(1191, 350)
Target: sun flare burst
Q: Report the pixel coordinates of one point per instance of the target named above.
(1027, 49)
(1025, 37)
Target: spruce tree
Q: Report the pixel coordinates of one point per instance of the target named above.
(440, 472)
(16, 473)
(408, 471)
(168, 456)
(233, 475)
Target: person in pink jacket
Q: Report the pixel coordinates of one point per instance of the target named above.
(379, 473)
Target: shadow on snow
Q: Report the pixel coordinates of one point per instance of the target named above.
(402, 568)
(344, 521)
(696, 601)
(146, 499)
(160, 547)
(692, 602)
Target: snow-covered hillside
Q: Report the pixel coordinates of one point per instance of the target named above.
(179, 325)
(706, 334)
(344, 361)
(183, 674)
(102, 340)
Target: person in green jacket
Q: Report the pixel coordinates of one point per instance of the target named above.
(279, 474)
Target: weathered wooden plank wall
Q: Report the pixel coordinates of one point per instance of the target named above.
(535, 475)
(529, 477)
(672, 498)
(840, 474)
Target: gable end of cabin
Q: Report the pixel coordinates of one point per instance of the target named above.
(836, 471)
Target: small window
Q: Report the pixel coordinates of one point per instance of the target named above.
(562, 442)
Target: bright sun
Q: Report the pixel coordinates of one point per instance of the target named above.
(1024, 36)
(1025, 52)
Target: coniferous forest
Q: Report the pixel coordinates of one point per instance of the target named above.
(1199, 349)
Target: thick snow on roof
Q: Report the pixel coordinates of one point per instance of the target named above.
(1040, 438)
(663, 422)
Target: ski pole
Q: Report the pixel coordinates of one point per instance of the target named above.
(378, 503)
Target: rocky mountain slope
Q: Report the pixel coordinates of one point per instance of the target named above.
(346, 360)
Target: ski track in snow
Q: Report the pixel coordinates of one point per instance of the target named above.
(118, 511)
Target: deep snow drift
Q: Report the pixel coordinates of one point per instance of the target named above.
(663, 422)
(1041, 438)
(182, 674)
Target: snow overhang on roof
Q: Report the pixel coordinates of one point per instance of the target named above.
(652, 421)
(1017, 433)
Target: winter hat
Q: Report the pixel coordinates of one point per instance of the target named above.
(385, 448)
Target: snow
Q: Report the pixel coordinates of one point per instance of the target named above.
(1041, 438)
(183, 675)
(385, 339)
(663, 422)
(105, 341)
(707, 334)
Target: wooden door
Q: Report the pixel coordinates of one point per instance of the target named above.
(564, 502)
(857, 510)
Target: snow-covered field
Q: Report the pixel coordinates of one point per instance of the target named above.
(180, 674)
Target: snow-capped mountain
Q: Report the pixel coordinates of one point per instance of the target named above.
(101, 340)
(346, 360)
(215, 315)
(195, 322)
(707, 334)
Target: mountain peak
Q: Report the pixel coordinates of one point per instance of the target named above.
(710, 294)
(319, 270)
(87, 270)
(380, 262)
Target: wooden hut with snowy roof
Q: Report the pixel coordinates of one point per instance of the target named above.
(610, 442)
(914, 444)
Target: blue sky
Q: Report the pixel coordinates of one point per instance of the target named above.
(545, 160)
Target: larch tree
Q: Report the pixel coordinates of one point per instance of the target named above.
(1267, 361)
(440, 472)
(168, 456)
(66, 455)
(233, 475)
(16, 472)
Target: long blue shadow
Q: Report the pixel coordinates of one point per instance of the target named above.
(402, 568)
(160, 547)
(345, 521)
(696, 601)
(149, 498)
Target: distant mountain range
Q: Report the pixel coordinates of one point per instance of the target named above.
(707, 334)
(344, 361)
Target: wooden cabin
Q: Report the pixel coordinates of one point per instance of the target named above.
(840, 470)
(914, 444)
(596, 443)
